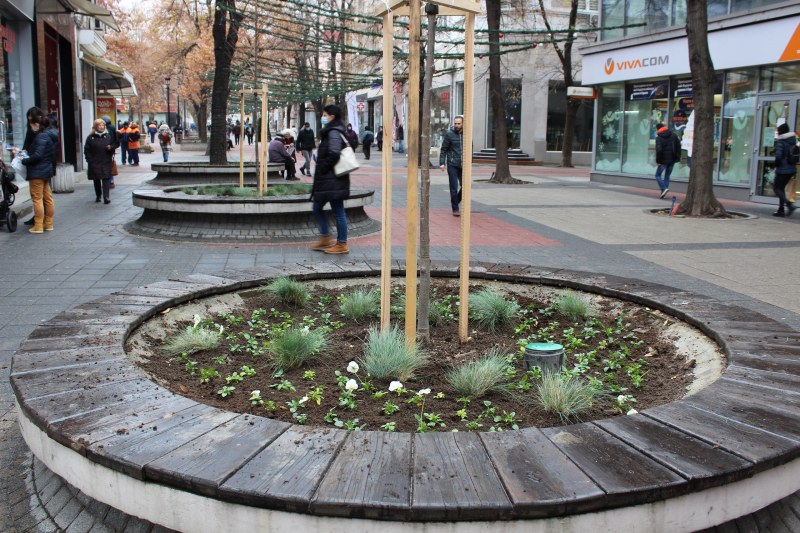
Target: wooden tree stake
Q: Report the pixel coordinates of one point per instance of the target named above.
(386, 183)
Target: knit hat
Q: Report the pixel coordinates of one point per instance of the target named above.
(783, 128)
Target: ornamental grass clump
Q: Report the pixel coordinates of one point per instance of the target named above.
(566, 396)
(294, 347)
(360, 304)
(573, 306)
(491, 310)
(193, 339)
(388, 356)
(289, 291)
(476, 378)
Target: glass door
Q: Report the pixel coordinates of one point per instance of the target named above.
(771, 111)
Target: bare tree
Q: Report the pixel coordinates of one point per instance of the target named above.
(700, 200)
(226, 35)
(502, 173)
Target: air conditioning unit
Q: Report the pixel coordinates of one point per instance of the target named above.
(588, 7)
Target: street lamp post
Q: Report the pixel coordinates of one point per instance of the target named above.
(167, 121)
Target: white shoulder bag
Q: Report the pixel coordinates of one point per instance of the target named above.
(347, 160)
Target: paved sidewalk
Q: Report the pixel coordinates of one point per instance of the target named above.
(558, 219)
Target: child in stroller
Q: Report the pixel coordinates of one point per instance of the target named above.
(9, 189)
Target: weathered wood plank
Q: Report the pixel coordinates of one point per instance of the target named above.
(370, 478)
(205, 462)
(627, 475)
(454, 479)
(690, 457)
(539, 478)
(33, 385)
(746, 441)
(285, 475)
(780, 381)
(38, 361)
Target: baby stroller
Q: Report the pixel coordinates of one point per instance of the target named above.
(9, 189)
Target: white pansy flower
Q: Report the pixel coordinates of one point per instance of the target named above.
(351, 385)
(621, 398)
(423, 392)
(395, 386)
(352, 367)
(197, 320)
(303, 400)
(633, 412)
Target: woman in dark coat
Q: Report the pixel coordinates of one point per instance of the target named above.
(40, 170)
(99, 153)
(784, 170)
(327, 186)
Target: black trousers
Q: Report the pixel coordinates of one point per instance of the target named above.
(291, 167)
(366, 149)
(779, 186)
(101, 188)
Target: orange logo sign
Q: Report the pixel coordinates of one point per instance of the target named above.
(792, 52)
(609, 66)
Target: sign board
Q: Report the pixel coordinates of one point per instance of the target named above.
(360, 106)
(582, 92)
(106, 105)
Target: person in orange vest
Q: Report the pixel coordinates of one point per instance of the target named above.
(122, 134)
(133, 144)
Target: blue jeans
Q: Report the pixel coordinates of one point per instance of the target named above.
(664, 184)
(307, 164)
(337, 207)
(455, 173)
(165, 153)
(399, 147)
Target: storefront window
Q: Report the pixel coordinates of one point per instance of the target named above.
(613, 15)
(717, 8)
(679, 13)
(512, 99)
(780, 78)
(440, 114)
(646, 104)
(556, 117)
(682, 121)
(738, 121)
(609, 130)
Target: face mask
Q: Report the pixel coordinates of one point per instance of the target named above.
(323, 121)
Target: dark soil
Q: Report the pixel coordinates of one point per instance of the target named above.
(667, 373)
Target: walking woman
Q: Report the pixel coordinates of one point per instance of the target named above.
(99, 153)
(40, 170)
(327, 186)
(165, 140)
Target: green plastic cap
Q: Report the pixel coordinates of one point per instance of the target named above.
(544, 347)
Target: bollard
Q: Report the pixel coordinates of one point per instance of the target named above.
(64, 180)
(547, 356)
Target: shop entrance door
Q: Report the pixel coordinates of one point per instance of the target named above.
(771, 111)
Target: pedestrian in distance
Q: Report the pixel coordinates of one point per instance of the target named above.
(306, 143)
(134, 136)
(165, 140)
(123, 134)
(380, 138)
(668, 152)
(785, 168)
(248, 132)
(26, 143)
(352, 136)
(400, 136)
(98, 150)
(40, 170)
(367, 141)
(451, 159)
(278, 153)
(327, 186)
(152, 129)
(237, 132)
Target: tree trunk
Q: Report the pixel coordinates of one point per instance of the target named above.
(200, 111)
(700, 200)
(226, 34)
(502, 173)
(424, 263)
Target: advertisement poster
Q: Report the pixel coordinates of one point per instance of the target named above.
(106, 106)
(647, 90)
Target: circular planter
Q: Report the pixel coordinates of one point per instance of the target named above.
(172, 214)
(184, 173)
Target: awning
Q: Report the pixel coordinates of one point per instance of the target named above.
(82, 7)
(111, 75)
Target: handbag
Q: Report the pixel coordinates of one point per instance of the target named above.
(114, 169)
(347, 160)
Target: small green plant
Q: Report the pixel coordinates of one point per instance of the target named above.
(572, 306)
(309, 375)
(360, 304)
(191, 367)
(207, 374)
(293, 347)
(390, 408)
(491, 310)
(255, 398)
(284, 384)
(387, 355)
(567, 396)
(226, 391)
(389, 427)
(289, 291)
(234, 377)
(192, 339)
(476, 378)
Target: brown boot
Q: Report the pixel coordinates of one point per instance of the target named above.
(48, 223)
(338, 248)
(324, 242)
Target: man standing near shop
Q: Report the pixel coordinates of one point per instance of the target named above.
(668, 152)
(450, 158)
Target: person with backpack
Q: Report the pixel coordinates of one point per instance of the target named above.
(787, 155)
(367, 141)
(152, 129)
(668, 152)
(165, 140)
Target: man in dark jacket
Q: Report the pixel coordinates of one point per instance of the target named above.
(367, 141)
(668, 152)
(279, 154)
(785, 140)
(450, 157)
(328, 187)
(306, 145)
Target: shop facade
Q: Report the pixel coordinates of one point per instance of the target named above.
(644, 79)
